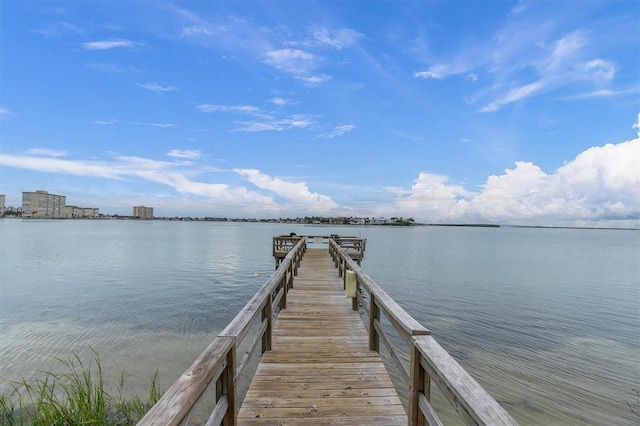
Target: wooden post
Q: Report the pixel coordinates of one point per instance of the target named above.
(285, 289)
(229, 387)
(416, 386)
(267, 315)
(344, 280)
(374, 314)
(290, 281)
(296, 263)
(354, 301)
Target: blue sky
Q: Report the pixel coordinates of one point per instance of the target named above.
(511, 112)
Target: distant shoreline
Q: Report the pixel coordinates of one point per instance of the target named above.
(292, 222)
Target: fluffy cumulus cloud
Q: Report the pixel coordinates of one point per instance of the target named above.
(433, 196)
(296, 194)
(600, 186)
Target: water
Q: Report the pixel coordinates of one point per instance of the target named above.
(547, 320)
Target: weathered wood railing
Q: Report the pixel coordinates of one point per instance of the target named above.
(429, 362)
(354, 246)
(215, 373)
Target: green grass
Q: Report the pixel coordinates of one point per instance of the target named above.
(77, 397)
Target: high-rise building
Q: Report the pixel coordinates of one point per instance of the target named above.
(143, 212)
(2, 198)
(42, 205)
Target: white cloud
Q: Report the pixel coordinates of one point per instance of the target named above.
(105, 122)
(428, 74)
(294, 121)
(256, 126)
(557, 69)
(68, 167)
(244, 109)
(299, 63)
(109, 44)
(293, 61)
(339, 131)
(112, 122)
(46, 152)
(264, 121)
(565, 51)
(600, 184)
(154, 87)
(526, 58)
(296, 193)
(190, 154)
(440, 71)
(161, 125)
(336, 39)
(599, 71)
(171, 174)
(314, 80)
(433, 197)
(605, 93)
(514, 95)
(280, 101)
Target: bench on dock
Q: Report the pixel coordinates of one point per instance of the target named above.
(318, 362)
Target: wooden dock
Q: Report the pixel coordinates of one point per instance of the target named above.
(318, 354)
(320, 369)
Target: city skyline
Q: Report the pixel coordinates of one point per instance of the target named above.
(506, 112)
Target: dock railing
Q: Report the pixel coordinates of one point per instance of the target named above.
(429, 362)
(354, 246)
(207, 392)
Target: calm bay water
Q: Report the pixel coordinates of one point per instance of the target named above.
(548, 320)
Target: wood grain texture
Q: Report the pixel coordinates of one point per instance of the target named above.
(320, 370)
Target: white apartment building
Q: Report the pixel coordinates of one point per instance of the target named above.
(2, 198)
(42, 205)
(75, 212)
(143, 212)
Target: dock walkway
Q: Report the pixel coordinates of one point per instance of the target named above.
(320, 369)
(319, 363)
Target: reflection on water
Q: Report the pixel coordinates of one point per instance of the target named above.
(546, 319)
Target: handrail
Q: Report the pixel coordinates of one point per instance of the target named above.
(429, 361)
(218, 364)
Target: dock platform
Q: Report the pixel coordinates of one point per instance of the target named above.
(320, 369)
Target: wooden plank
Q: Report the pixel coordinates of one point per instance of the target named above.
(320, 410)
(281, 401)
(319, 390)
(320, 369)
(324, 421)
